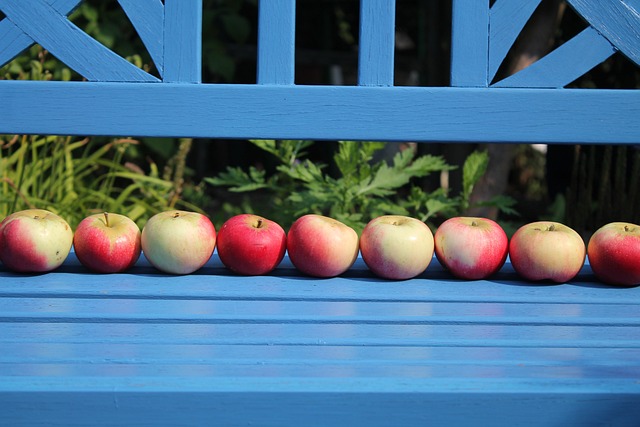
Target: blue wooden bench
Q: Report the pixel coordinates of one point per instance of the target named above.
(211, 348)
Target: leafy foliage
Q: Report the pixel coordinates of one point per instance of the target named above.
(361, 189)
(76, 177)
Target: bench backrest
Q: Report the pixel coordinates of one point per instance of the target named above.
(120, 99)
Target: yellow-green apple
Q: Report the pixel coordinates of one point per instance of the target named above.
(178, 242)
(471, 248)
(396, 247)
(250, 244)
(547, 250)
(321, 246)
(34, 241)
(614, 253)
(107, 242)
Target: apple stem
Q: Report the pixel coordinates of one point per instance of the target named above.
(259, 224)
(106, 218)
(474, 224)
(176, 215)
(552, 227)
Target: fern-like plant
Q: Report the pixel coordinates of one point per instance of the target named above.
(358, 191)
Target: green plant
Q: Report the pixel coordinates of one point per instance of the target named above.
(362, 188)
(75, 177)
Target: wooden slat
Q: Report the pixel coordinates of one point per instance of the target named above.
(147, 17)
(376, 42)
(13, 40)
(565, 64)
(183, 41)
(320, 112)
(68, 43)
(507, 19)
(276, 42)
(338, 401)
(470, 43)
(617, 20)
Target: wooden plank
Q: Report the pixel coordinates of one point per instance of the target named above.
(42, 309)
(565, 64)
(434, 285)
(311, 402)
(147, 17)
(376, 42)
(276, 42)
(320, 112)
(183, 41)
(13, 40)
(507, 19)
(68, 43)
(617, 20)
(470, 43)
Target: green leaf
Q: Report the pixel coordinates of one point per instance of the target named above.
(473, 169)
(238, 180)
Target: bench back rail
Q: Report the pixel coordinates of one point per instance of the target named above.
(532, 105)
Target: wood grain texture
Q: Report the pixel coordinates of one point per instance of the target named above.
(470, 43)
(13, 40)
(322, 112)
(376, 42)
(147, 17)
(565, 64)
(46, 26)
(276, 42)
(183, 41)
(507, 19)
(617, 20)
(212, 347)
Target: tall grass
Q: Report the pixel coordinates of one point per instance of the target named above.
(75, 177)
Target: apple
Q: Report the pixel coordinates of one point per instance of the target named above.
(107, 242)
(471, 248)
(396, 247)
(178, 242)
(614, 253)
(321, 246)
(34, 241)
(547, 250)
(251, 245)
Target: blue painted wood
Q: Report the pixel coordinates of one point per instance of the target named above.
(147, 17)
(565, 64)
(13, 40)
(320, 112)
(507, 19)
(470, 43)
(215, 348)
(212, 347)
(46, 26)
(183, 41)
(376, 42)
(618, 21)
(276, 42)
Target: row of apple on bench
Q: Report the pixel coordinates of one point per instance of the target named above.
(393, 247)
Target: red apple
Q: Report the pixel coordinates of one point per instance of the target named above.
(251, 245)
(178, 242)
(34, 241)
(396, 247)
(547, 250)
(107, 242)
(471, 248)
(614, 253)
(321, 246)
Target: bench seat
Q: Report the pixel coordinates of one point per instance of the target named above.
(212, 348)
